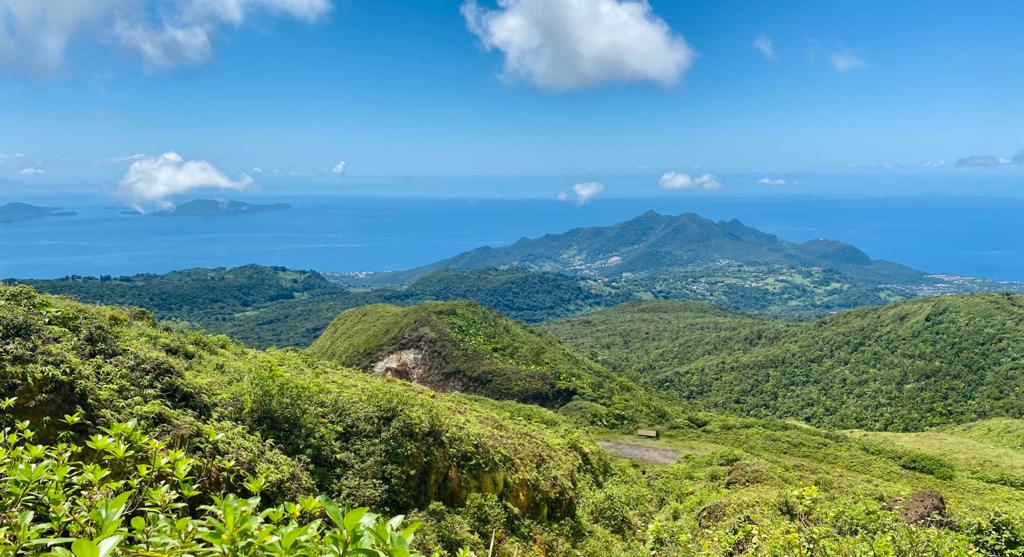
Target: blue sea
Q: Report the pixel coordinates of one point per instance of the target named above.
(947, 228)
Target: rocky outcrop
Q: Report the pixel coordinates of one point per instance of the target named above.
(924, 508)
(408, 365)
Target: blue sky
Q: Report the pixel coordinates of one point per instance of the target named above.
(410, 88)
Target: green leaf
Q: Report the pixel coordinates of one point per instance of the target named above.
(85, 548)
(353, 517)
(108, 545)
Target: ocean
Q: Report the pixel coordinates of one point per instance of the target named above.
(953, 233)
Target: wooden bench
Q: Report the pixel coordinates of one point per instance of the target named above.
(651, 433)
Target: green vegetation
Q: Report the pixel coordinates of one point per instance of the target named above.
(209, 297)
(988, 451)
(652, 241)
(300, 423)
(123, 493)
(903, 367)
(652, 256)
(647, 337)
(530, 297)
(464, 347)
(97, 383)
(273, 306)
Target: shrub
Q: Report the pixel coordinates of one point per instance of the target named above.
(125, 493)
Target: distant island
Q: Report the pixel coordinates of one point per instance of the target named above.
(213, 208)
(16, 211)
(991, 161)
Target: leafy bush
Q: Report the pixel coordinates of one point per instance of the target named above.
(927, 464)
(999, 534)
(124, 493)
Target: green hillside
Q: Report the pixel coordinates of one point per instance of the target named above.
(464, 347)
(300, 422)
(646, 336)
(653, 241)
(472, 469)
(209, 297)
(273, 306)
(902, 367)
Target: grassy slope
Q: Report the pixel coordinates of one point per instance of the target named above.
(371, 440)
(906, 366)
(474, 349)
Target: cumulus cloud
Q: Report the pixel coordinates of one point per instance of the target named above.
(587, 191)
(771, 181)
(36, 34)
(339, 168)
(847, 60)
(673, 180)
(151, 180)
(256, 170)
(574, 44)
(584, 192)
(764, 45)
(32, 171)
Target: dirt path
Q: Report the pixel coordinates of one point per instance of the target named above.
(641, 453)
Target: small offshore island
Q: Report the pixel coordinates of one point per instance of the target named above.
(214, 208)
(16, 211)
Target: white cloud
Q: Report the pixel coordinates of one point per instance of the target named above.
(673, 180)
(36, 34)
(574, 44)
(847, 60)
(32, 171)
(10, 157)
(587, 191)
(339, 168)
(122, 158)
(562, 196)
(150, 180)
(771, 181)
(256, 170)
(764, 45)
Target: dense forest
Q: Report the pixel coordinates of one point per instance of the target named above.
(904, 367)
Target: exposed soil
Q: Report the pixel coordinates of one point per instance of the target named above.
(641, 453)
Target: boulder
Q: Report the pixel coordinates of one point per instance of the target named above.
(925, 508)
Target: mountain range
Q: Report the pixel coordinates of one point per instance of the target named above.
(654, 244)
(652, 256)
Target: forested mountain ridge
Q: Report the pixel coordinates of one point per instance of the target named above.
(274, 306)
(206, 296)
(687, 257)
(905, 366)
(652, 242)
